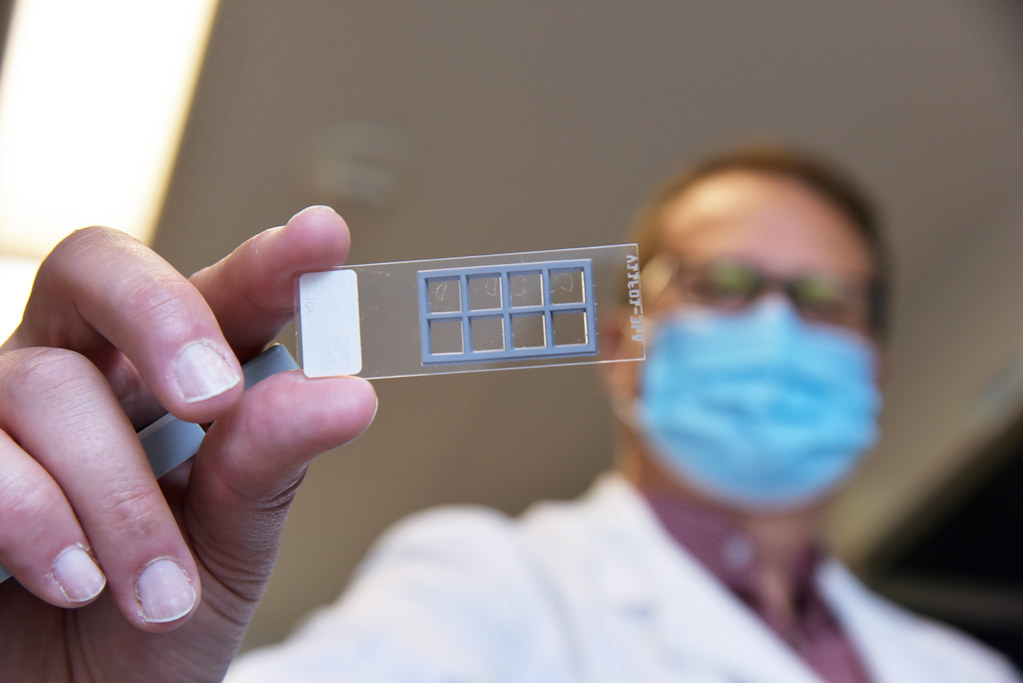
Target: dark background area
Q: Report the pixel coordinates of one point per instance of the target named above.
(960, 558)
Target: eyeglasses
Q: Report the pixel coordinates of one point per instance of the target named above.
(734, 284)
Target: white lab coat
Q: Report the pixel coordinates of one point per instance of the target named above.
(592, 591)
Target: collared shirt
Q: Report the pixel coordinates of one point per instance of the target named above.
(815, 635)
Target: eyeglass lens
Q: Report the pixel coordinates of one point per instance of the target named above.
(819, 297)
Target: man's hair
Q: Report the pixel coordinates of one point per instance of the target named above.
(821, 176)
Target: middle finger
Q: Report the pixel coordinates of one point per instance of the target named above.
(60, 409)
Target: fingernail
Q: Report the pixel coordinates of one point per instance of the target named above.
(315, 207)
(203, 373)
(77, 574)
(165, 592)
(376, 407)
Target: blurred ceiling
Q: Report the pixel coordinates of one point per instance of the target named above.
(454, 128)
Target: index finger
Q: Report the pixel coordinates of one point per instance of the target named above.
(252, 291)
(101, 290)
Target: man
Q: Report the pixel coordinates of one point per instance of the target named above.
(765, 286)
(696, 561)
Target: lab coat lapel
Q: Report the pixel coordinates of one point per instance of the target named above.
(699, 624)
(876, 628)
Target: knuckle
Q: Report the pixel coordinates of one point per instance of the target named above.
(46, 373)
(93, 236)
(88, 235)
(79, 242)
(161, 296)
(130, 510)
(24, 501)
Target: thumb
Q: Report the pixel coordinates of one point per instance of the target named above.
(249, 467)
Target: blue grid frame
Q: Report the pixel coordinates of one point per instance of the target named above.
(506, 312)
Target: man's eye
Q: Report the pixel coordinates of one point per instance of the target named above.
(727, 282)
(821, 297)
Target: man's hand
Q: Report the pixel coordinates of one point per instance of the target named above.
(120, 577)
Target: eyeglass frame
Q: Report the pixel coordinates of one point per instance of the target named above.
(863, 290)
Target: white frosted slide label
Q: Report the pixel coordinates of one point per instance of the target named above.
(331, 343)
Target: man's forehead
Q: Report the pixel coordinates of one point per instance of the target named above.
(769, 219)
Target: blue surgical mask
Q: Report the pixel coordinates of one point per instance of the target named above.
(758, 408)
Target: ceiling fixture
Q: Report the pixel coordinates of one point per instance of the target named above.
(93, 102)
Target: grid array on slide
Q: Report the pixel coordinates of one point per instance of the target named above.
(510, 311)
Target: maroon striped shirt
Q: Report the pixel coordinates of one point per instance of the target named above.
(815, 635)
